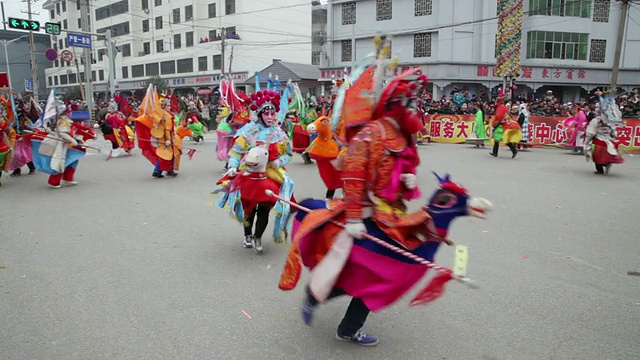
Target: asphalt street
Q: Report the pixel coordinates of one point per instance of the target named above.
(124, 266)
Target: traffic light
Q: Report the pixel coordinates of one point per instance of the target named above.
(23, 24)
(52, 28)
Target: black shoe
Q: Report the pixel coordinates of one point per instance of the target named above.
(492, 154)
(172, 174)
(32, 171)
(599, 172)
(514, 153)
(157, 175)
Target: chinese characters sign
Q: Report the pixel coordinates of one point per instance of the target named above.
(455, 129)
(537, 73)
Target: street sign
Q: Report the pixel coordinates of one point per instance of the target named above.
(52, 28)
(66, 55)
(79, 40)
(28, 85)
(51, 54)
(24, 24)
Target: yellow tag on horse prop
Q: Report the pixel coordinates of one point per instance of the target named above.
(462, 260)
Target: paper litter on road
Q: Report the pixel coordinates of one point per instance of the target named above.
(247, 315)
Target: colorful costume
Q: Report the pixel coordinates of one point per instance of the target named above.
(379, 174)
(22, 153)
(5, 141)
(523, 121)
(265, 133)
(324, 150)
(59, 152)
(194, 122)
(576, 127)
(601, 145)
(157, 136)
(505, 128)
(115, 128)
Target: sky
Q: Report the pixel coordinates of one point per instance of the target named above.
(12, 8)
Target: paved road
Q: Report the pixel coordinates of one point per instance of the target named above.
(124, 266)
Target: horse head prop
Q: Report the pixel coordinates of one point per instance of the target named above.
(82, 130)
(256, 159)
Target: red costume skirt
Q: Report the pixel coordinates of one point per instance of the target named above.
(331, 177)
(300, 139)
(601, 155)
(253, 190)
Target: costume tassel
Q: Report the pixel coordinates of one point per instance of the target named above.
(434, 290)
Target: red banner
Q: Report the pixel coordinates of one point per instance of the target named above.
(543, 130)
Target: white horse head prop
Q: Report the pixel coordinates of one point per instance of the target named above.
(256, 159)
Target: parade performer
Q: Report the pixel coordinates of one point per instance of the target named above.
(479, 134)
(262, 132)
(576, 126)
(5, 141)
(523, 121)
(305, 114)
(238, 113)
(379, 174)
(59, 152)
(22, 148)
(324, 150)
(115, 128)
(195, 122)
(501, 123)
(157, 137)
(601, 145)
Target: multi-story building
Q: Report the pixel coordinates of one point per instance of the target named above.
(190, 43)
(567, 45)
(20, 59)
(318, 32)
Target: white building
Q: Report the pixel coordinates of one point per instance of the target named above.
(566, 46)
(167, 38)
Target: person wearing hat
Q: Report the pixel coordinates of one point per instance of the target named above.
(264, 131)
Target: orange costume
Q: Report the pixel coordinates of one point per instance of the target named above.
(324, 150)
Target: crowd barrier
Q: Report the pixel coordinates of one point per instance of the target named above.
(543, 130)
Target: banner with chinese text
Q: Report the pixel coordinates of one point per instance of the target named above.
(543, 130)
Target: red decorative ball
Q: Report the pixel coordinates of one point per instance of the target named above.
(514, 88)
(277, 109)
(423, 78)
(253, 107)
(413, 86)
(267, 98)
(254, 96)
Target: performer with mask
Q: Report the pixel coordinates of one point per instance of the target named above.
(263, 131)
(601, 145)
(115, 128)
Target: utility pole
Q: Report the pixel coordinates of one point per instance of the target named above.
(231, 59)
(112, 68)
(32, 50)
(86, 54)
(622, 23)
(223, 44)
(82, 93)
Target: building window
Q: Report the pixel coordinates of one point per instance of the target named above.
(55, 80)
(101, 54)
(383, 10)
(58, 8)
(79, 23)
(231, 30)
(177, 41)
(82, 77)
(64, 5)
(65, 24)
(168, 67)
(158, 22)
(152, 69)
(556, 45)
(575, 8)
(101, 75)
(185, 66)
(73, 78)
(229, 7)
(422, 45)
(159, 46)
(116, 30)
(213, 34)
(126, 50)
(66, 42)
(125, 72)
(60, 44)
(63, 80)
(601, 10)
(137, 71)
(423, 7)
(212, 10)
(598, 51)
(188, 13)
(146, 48)
(144, 4)
(346, 50)
(349, 13)
(315, 57)
(188, 38)
(50, 81)
(120, 7)
(157, 2)
(176, 16)
(145, 25)
(56, 63)
(202, 63)
(52, 15)
(217, 62)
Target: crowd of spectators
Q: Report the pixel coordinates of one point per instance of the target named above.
(462, 102)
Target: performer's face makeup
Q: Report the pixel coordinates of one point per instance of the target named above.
(268, 116)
